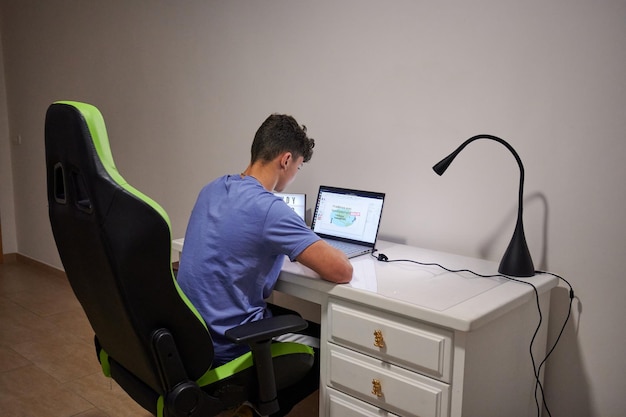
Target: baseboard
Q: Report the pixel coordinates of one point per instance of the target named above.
(9, 257)
(19, 258)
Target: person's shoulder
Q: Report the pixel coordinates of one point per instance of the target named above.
(216, 182)
(228, 182)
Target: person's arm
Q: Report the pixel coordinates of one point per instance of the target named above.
(331, 264)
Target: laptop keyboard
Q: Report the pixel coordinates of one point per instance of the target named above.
(347, 248)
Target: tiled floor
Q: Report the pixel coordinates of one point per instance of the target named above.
(48, 365)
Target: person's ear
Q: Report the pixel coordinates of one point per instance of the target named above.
(285, 160)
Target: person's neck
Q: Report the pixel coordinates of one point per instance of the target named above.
(263, 174)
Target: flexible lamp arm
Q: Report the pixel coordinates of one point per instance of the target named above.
(516, 260)
(442, 165)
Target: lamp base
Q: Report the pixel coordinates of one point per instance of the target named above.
(517, 261)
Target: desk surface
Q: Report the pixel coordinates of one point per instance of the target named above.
(459, 301)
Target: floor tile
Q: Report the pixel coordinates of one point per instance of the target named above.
(94, 412)
(75, 322)
(16, 277)
(106, 395)
(31, 392)
(46, 302)
(10, 359)
(19, 325)
(62, 356)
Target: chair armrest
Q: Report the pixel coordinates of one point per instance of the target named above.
(258, 335)
(266, 329)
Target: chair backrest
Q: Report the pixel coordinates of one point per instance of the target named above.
(115, 245)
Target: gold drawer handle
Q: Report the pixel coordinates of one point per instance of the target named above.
(377, 389)
(379, 341)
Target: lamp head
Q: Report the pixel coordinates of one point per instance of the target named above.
(441, 166)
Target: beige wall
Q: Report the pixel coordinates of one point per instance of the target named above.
(387, 89)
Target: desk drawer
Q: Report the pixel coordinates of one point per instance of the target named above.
(342, 405)
(386, 386)
(398, 340)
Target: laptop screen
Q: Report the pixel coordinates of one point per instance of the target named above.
(296, 201)
(348, 214)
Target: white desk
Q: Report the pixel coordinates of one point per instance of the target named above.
(408, 340)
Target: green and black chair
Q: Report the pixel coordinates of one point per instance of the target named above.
(115, 245)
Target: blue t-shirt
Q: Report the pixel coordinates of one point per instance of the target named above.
(236, 240)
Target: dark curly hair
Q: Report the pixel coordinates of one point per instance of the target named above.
(281, 133)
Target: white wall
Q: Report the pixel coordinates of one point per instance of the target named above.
(387, 89)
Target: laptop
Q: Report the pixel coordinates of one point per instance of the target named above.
(296, 201)
(348, 219)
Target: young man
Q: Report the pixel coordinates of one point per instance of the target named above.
(239, 233)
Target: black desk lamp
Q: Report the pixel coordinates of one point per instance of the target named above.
(516, 261)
